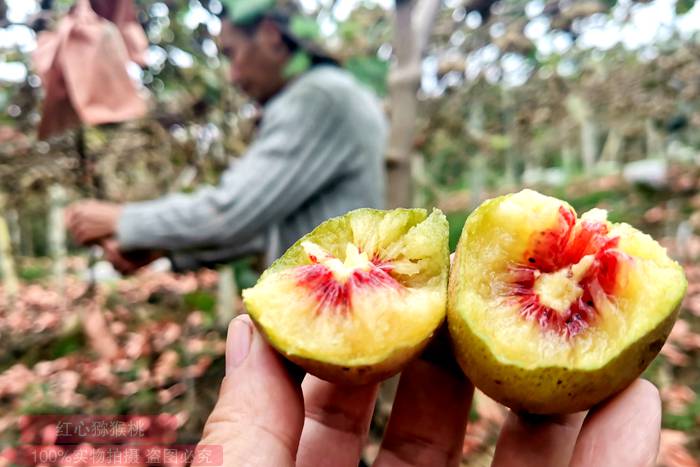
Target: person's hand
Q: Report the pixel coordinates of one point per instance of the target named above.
(91, 221)
(265, 417)
(127, 262)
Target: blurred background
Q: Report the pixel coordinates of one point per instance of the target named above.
(596, 102)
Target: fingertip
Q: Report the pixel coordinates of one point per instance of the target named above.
(259, 405)
(240, 318)
(632, 418)
(640, 393)
(238, 342)
(646, 389)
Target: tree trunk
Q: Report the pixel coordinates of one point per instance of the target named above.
(568, 160)
(582, 113)
(57, 234)
(226, 293)
(508, 110)
(14, 228)
(654, 140)
(412, 28)
(26, 234)
(611, 149)
(589, 143)
(7, 263)
(477, 162)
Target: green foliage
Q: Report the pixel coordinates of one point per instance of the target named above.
(499, 142)
(67, 345)
(684, 6)
(685, 421)
(298, 64)
(456, 221)
(370, 71)
(201, 300)
(33, 273)
(473, 414)
(304, 27)
(244, 12)
(244, 273)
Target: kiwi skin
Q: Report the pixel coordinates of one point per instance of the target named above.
(551, 390)
(354, 375)
(545, 390)
(371, 370)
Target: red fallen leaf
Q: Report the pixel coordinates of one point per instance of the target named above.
(692, 303)
(15, 380)
(677, 397)
(692, 272)
(199, 368)
(123, 14)
(207, 278)
(137, 345)
(655, 214)
(63, 389)
(167, 395)
(195, 345)
(195, 319)
(166, 335)
(7, 421)
(166, 368)
(46, 320)
(117, 327)
(684, 336)
(7, 457)
(219, 347)
(492, 415)
(100, 373)
(131, 387)
(98, 333)
(674, 356)
(82, 66)
(477, 435)
(672, 450)
(488, 409)
(182, 417)
(46, 368)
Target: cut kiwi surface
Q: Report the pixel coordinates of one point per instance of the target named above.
(550, 313)
(358, 297)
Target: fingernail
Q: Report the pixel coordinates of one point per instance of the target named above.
(240, 335)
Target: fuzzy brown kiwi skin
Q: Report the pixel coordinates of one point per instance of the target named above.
(551, 390)
(354, 375)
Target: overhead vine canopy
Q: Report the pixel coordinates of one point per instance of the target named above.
(509, 81)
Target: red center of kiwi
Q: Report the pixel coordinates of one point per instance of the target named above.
(561, 248)
(335, 294)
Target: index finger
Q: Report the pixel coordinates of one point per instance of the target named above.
(624, 430)
(430, 413)
(337, 422)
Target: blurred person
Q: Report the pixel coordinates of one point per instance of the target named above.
(318, 153)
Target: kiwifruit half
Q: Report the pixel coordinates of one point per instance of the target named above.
(358, 297)
(550, 313)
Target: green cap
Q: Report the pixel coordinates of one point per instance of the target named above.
(300, 29)
(245, 12)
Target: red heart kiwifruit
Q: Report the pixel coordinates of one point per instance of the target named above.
(550, 313)
(360, 296)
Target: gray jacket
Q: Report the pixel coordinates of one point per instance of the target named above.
(318, 154)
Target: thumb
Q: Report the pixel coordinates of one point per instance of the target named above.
(259, 416)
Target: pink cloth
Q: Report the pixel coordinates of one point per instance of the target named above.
(123, 14)
(82, 65)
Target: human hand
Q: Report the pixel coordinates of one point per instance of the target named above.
(127, 262)
(90, 221)
(265, 417)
